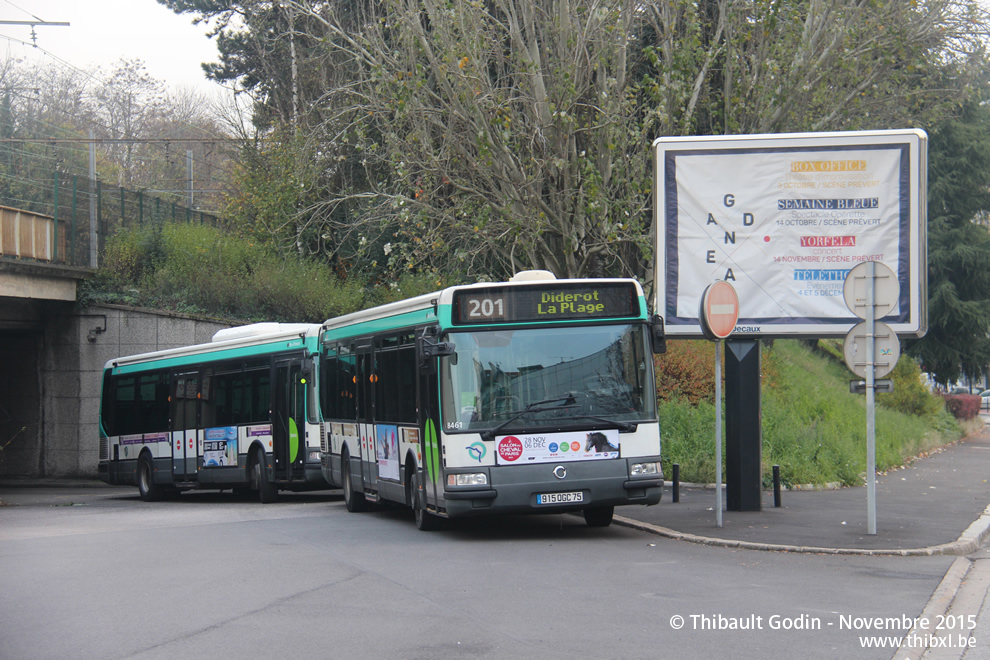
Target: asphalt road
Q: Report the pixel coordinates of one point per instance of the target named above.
(93, 572)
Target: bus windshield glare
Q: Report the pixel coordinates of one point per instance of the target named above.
(575, 377)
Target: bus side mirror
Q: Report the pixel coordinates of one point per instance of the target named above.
(439, 349)
(430, 349)
(658, 340)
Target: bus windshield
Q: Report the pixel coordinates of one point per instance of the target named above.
(588, 377)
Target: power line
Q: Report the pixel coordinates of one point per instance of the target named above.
(121, 140)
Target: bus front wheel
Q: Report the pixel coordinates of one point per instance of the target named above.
(425, 521)
(148, 489)
(353, 500)
(600, 516)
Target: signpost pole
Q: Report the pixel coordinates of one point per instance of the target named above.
(880, 292)
(718, 433)
(871, 448)
(719, 313)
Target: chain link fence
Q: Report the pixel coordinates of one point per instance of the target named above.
(82, 213)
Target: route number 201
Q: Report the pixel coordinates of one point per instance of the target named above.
(485, 308)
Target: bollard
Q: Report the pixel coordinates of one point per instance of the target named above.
(677, 483)
(776, 486)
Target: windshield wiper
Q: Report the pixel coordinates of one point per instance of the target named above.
(535, 407)
(625, 427)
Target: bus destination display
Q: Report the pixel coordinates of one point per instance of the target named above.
(546, 303)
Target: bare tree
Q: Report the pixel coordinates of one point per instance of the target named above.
(506, 130)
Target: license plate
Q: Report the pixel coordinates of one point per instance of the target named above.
(560, 498)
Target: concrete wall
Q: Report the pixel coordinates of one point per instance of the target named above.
(67, 373)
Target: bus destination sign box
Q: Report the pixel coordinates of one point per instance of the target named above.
(561, 301)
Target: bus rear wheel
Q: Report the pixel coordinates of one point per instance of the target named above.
(599, 516)
(353, 500)
(147, 488)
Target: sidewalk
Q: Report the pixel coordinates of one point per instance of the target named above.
(936, 505)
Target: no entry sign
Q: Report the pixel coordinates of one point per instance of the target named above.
(719, 310)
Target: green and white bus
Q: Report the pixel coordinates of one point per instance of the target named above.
(240, 412)
(529, 396)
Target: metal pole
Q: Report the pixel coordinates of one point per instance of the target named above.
(99, 211)
(189, 175)
(55, 222)
(871, 449)
(93, 243)
(718, 433)
(73, 257)
(676, 488)
(776, 486)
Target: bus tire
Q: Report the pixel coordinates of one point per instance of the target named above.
(425, 521)
(147, 488)
(353, 500)
(599, 516)
(267, 492)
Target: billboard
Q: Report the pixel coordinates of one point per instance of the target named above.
(784, 218)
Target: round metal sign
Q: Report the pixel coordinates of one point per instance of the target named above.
(886, 289)
(719, 309)
(886, 349)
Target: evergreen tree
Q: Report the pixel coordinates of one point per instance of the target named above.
(958, 249)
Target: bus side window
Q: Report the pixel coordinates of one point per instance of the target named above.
(346, 374)
(223, 391)
(328, 387)
(125, 414)
(261, 396)
(153, 405)
(405, 380)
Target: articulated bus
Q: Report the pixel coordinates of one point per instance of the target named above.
(240, 412)
(529, 396)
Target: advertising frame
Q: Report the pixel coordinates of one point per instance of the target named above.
(784, 218)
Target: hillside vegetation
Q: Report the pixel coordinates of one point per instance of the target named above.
(199, 269)
(812, 426)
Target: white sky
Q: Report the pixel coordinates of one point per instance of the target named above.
(103, 31)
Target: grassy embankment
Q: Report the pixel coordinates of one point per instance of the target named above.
(196, 269)
(812, 426)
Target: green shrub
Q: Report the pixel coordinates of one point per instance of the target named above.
(910, 396)
(812, 426)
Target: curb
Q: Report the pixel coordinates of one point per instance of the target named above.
(939, 604)
(969, 541)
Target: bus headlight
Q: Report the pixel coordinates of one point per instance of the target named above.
(469, 479)
(640, 469)
(314, 457)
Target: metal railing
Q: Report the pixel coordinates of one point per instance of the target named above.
(81, 213)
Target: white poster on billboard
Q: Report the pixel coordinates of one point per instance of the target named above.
(784, 218)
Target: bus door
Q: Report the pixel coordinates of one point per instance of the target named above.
(366, 377)
(289, 420)
(185, 423)
(429, 424)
